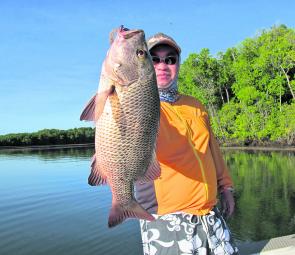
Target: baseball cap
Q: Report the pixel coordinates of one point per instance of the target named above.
(161, 38)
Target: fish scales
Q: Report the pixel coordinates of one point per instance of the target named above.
(124, 139)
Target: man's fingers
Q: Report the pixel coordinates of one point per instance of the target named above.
(231, 208)
(227, 203)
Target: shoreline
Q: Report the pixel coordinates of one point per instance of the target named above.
(46, 147)
(90, 145)
(259, 148)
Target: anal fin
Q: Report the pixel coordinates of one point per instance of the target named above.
(153, 171)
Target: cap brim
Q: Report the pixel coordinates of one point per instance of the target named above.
(165, 41)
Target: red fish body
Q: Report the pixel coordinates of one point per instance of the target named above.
(126, 111)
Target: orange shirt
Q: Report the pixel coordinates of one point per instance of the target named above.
(192, 167)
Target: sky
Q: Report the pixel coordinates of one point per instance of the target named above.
(51, 52)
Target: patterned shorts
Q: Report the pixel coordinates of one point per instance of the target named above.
(187, 234)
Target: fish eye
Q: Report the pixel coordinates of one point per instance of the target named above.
(140, 53)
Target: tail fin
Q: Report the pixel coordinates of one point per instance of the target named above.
(119, 213)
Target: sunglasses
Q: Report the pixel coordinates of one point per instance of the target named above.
(169, 60)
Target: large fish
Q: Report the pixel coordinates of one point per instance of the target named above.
(126, 110)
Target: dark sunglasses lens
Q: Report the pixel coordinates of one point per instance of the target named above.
(171, 60)
(156, 59)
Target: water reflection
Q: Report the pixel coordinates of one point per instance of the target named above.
(46, 206)
(265, 194)
(49, 154)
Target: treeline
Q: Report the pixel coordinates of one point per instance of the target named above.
(49, 137)
(249, 90)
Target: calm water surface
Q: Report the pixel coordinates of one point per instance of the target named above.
(47, 207)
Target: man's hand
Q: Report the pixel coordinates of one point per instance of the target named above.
(227, 203)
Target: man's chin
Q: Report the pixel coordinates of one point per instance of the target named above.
(163, 86)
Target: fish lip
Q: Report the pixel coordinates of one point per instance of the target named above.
(126, 33)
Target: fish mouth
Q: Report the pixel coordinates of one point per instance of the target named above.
(127, 33)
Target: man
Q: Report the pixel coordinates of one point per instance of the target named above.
(183, 199)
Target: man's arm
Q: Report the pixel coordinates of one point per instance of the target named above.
(224, 181)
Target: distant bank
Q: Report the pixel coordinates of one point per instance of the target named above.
(91, 145)
(84, 137)
(49, 138)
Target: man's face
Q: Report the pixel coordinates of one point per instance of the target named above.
(166, 68)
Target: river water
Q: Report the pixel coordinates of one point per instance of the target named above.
(47, 207)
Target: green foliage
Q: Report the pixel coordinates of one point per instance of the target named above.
(203, 76)
(285, 124)
(186, 82)
(49, 137)
(250, 89)
(227, 117)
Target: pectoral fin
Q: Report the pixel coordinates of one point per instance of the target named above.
(89, 110)
(95, 106)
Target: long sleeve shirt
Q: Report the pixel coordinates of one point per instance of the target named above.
(192, 167)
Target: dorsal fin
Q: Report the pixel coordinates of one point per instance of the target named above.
(96, 176)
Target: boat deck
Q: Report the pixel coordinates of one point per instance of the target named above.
(284, 245)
